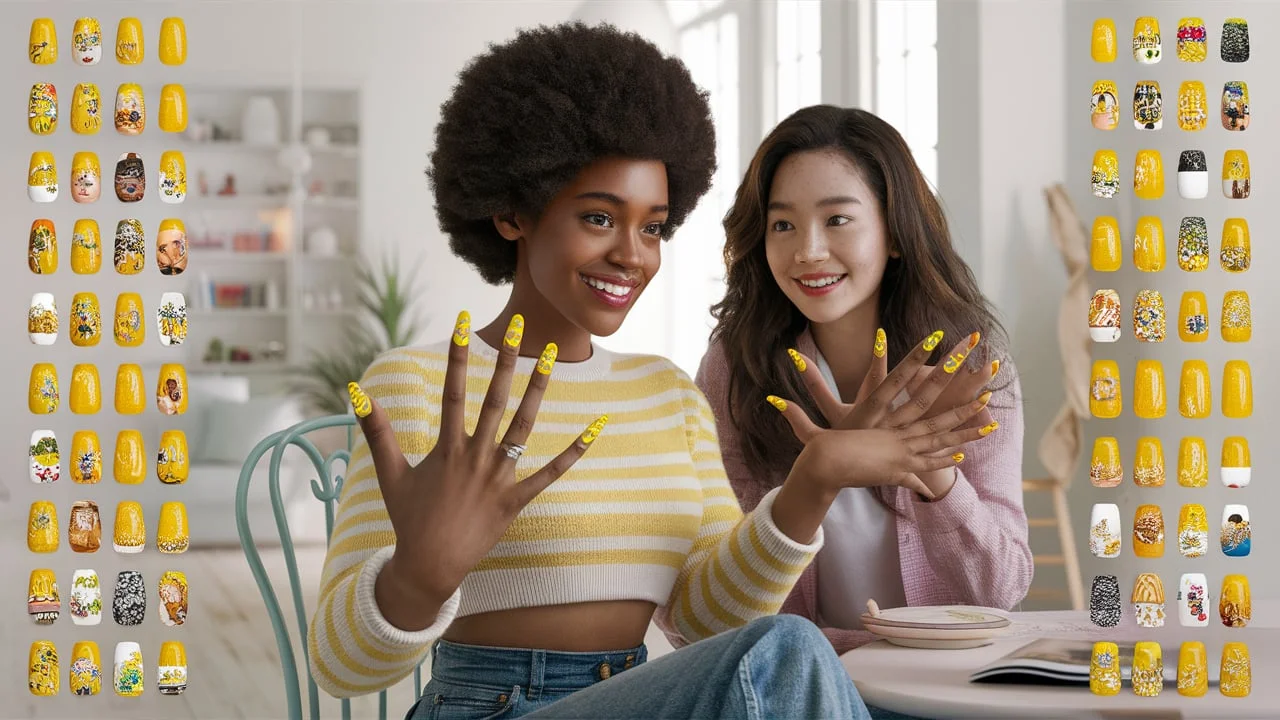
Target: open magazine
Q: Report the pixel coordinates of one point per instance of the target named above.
(1066, 662)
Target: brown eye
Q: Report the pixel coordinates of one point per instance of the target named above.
(781, 226)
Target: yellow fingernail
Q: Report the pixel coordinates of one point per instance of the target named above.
(1105, 470)
(995, 367)
(881, 345)
(1236, 673)
(988, 428)
(515, 331)
(1193, 670)
(1235, 603)
(548, 358)
(1103, 49)
(1148, 463)
(777, 402)
(359, 400)
(1195, 395)
(799, 361)
(1105, 254)
(1148, 175)
(1105, 179)
(984, 398)
(1237, 319)
(1104, 669)
(954, 362)
(932, 341)
(1237, 389)
(1148, 532)
(973, 340)
(1148, 669)
(462, 329)
(1193, 462)
(1235, 174)
(1193, 106)
(1148, 390)
(958, 457)
(1146, 40)
(1236, 255)
(1148, 244)
(593, 430)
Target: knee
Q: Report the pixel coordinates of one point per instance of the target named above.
(792, 634)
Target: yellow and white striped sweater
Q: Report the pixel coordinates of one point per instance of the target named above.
(646, 514)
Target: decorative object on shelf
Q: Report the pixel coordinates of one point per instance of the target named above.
(213, 352)
(260, 123)
(317, 136)
(322, 242)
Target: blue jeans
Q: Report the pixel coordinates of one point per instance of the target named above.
(779, 666)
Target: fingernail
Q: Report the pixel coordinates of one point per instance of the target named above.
(1237, 320)
(171, 247)
(1235, 676)
(1235, 605)
(1106, 174)
(1193, 40)
(128, 327)
(515, 331)
(1104, 669)
(1103, 41)
(462, 329)
(1148, 244)
(129, 673)
(1105, 254)
(131, 109)
(547, 360)
(1237, 389)
(1146, 40)
(42, 178)
(173, 598)
(42, 669)
(1193, 531)
(1236, 254)
(129, 45)
(86, 41)
(989, 428)
(43, 601)
(973, 339)
(84, 531)
(1105, 469)
(1193, 175)
(42, 395)
(172, 174)
(1148, 175)
(1105, 398)
(86, 247)
(1236, 466)
(932, 341)
(954, 361)
(1193, 601)
(173, 109)
(129, 394)
(797, 360)
(1236, 536)
(1193, 106)
(171, 319)
(173, 41)
(1104, 106)
(173, 537)
(1148, 668)
(42, 248)
(86, 668)
(1193, 317)
(86, 109)
(1235, 174)
(594, 429)
(129, 602)
(984, 398)
(995, 367)
(958, 458)
(1148, 462)
(1104, 316)
(1148, 316)
(172, 668)
(1195, 390)
(130, 466)
(46, 460)
(131, 247)
(42, 43)
(173, 464)
(1193, 462)
(86, 458)
(86, 177)
(1148, 108)
(42, 109)
(130, 533)
(131, 178)
(1235, 105)
(1235, 40)
(1104, 530)
(85, 604)
(42, 319)
(777, 402)
(1104, 601)
(359, 400)
(1148, 602)
(1148, 532)
(42, 527)
(171, 389)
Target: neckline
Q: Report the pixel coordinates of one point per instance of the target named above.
(595, 367)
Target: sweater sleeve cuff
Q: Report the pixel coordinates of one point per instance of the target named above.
(949, 513)
(371, 621)
(776, 543)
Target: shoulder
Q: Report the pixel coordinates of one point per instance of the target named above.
(399, 370)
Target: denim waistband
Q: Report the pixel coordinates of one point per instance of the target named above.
(535, 670)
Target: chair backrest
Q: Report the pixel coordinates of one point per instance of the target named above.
(327, 488)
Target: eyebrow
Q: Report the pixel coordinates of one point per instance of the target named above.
(614, 199)
(834, 200)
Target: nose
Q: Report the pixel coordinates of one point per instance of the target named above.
(628, 250)
(813, 247)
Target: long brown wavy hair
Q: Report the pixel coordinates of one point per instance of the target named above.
(925, 288)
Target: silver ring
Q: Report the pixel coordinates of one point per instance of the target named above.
(512, 450)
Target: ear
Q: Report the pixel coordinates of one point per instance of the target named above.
(508, 226)
(893, 253)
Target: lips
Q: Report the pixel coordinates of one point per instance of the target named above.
(615, 292)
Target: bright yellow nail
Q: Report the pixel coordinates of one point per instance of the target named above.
(86, 41)
(173, 536)
(129, 393)
(1237, 254)
(1148, 532)
(973, 339)
(173, 666)
(1237, 319)
(42, 527)
(984, 398)
(1105, 397)
(1193, 531)
(797, 360)
(1192, 40)
(86, 389)
(1193, 462)
(130, 48)
(989, 428)
(1193, 317)
(44, 603)
(130, 673)
(359, 400)
(1235, 174)
(515, 331)
(131, 110)
(958, 458)
(173, 41)
(1235, 604)
(1237, 389)
(1149, 316)
(42, 392)
(130, 466)
(86, 247)
(130, 326)
(42, 669)
(86, 109)
(1148, 668)
(1195, 393)
(1148, 601)
(42, 177)
(932, 341)
(129, 536)
(1237, 467)
(954, 361)
(881, 345)
(1105, 254)
(1193, 244)
(42, 248)
(547, 360)
(1148, 390)
(1104, 669)
(86, 457)
(995, 367)
(462, 329)
(42, 109)
(171, 389)
(594, 429)
(86, 668)
(1148, 175)
(1148, 244)
(1148, 107)
(173, 108)
(42, 45)
(1236, 673)
(1193, 106)
(1105, 469)
(1102, 46)
(777, 402)
(1148, 462)
(1193, 669)
(1103, 106)
(1147, 46)
(1105, 179)
(173, 462)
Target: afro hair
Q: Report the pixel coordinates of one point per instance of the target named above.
(528, 116)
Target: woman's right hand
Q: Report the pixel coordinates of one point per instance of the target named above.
(449, 510)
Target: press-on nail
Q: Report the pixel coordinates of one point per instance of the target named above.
(1148, 175)
(1106, 174)
(129, 602)
(172, 668)
(131, 247)
(1193, 40)
(173, 537)
(173, 109)
(1235, 675)
(1148, 532)
(131, 178)
(1104, 106)
(1236, 183)
(1237, 389)
(86, 389)
(1147, 676)
(172, 177)
(1104, 531)
(172, 462)
(1146, 40)
(131, 109)
(130, 458)
(1148, 107)
(1193, 106)
(1148, 601)
(86, 668)
(43, 601)
(130, 48)
(171, 247)
(43, 672)
(1193, 531)
(129, 393)
(42, 178)
(171, 319)
(1104, 601)
(1103, 40)
(1235, 604)
(1105, 254)
(1149, 316)
(1236, 254)
(42, 43)
(46, 461)
(42, 527)
(130, 528)
(1148, 244)
(1236, 466)
(1105, 400)
(171, 390)
(86, 247)
(84, 531)
(86, 109)
(173, 598)
(1193, 462)
(42, 390)
(85, 605)
(86, 458)
(1148, 390)
(1193, 175)
(42, 109)
(1148, 462)
(1235, 105)
(1195, 395)
(1104, 316)
(1236, 536)
(42, 248)
(1193, 601)
(42, 319)
(129, 329)
(1193, 317)
(86, 177)
(1235, 40)
(173, 41)
(1105, 470)
(1104, 669)
(1193, 669)
(86, 41)
(129, 672)
(1237, 318)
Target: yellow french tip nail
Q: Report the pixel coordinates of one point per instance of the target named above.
(799, 361)
(359, 400)
(989, 428)
(462, 329)
(777, 402)
(932, 341)
(515, 331)
(881, 345)
(594, 429)
(548, 358)
(958, 457)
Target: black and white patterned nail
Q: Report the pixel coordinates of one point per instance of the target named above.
(1104, 601)
(129, 605)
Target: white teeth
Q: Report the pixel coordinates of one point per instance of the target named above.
(616, 290)
(823, 282)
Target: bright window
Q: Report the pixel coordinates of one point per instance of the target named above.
(906, 75)
(798, 40)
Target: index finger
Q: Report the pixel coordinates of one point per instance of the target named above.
(873, 409)
(828, 404)
(389, 461)
(522, 422)
(930, 388)
(453, 400)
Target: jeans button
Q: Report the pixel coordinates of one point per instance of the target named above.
(605, 671)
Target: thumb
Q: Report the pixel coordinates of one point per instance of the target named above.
(800, 423)
(388, 459)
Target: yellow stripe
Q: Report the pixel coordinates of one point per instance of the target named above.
(372, 540)
(382, 655)
(776, 563)
(660, 495)
(349, 521)
(329, 583)
(590, 557)
(685, 608)
(743, 599)
(335, 648)
(567, 527)
(753, 576)
(720, 612)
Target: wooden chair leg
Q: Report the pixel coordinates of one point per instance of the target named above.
(1071, 562)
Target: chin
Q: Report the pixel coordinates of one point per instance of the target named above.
(599, 324)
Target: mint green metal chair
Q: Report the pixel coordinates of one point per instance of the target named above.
(327, 488)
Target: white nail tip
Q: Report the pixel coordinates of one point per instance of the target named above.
(1236, 477)
(46, 460)
(1148, 600)
(86, 598)
(1104, 316)
(42, 319)
(1104, 531)
(1193, 600)
(1193, 185)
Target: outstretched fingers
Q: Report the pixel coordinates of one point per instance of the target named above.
(495, 398)
(801, 425)
(522, 422)
(927, 389)
(875, 407)
(389, 461)
(453, 400)
(879, 366)
(828, 404)
(526, 490)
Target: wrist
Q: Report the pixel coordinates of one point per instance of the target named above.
(939, 482)
(397, 586)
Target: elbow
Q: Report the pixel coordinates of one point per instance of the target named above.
(1019, 569)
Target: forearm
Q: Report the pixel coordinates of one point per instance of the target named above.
(800, 507)
(939, 482)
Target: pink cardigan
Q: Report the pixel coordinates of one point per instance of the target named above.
(968, 548)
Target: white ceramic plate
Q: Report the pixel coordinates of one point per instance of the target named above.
(945, 618)
(953, 638)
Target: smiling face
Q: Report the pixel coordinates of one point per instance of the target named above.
(825, 236)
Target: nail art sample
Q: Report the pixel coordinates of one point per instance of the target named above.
(86, 390)
(1235, 605)
(1193, 600)
(1236, 465)
(86, 458)
(171, 320)
(1106, 174)
(42, 319)
(1193, 175)
(173, 536)
(130, 534)
(172, 668)
(1237, 538)
(1193, 40)
(1104, 669)
(86, 598)
(1148, 463)
(1148, 105)
(86, 109)
(1193, 462)
(86, 247)
(43, 601)
(1105, 254)
(1235, 105)
(1104, 531)
(173, 109)
(1193, 531)
(42, 248)
(1148, 532)
(131, 109)
(129, 392)
(1236, 672)
(1195, 394)
(173, 41)
(130, 466)
(42, 392)
(1193, 669)
(1235, 40)
(1105, 470)
(1193, 106)
(42, 527)
(1147, 675)
(1102, 47)
(129, 602)
(85, 529)
(171, 248)
(131, 247)
(1237, 319)
(86, 178)
(1236, 254)
(131, 178)
(1148, 390)
(129, 45)
(1149, 316)
(1193, 317)
(171, 390)
(1236, 183)
(42, 669)
(129, 675)
(42, 44)
(173, 598)
(1105, 400)
(42, 178)
(1104, 316)
(128, 327)
(1104, 106)
(1148, 175)
(172, 177)
(85, 320)
(1104, 601)
(42, 109)
(1146, 40)
(46, 461)
(86, 41)
(881, 345)
(1148, 602)
(86, 668)
(1237, 389)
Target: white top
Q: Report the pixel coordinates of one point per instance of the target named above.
(860, 558)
